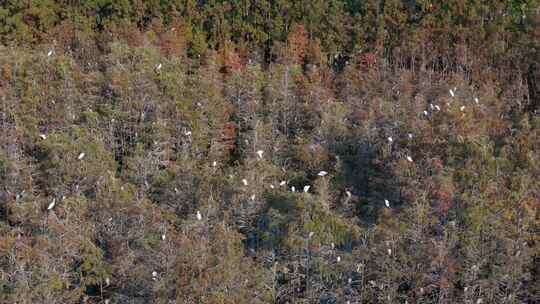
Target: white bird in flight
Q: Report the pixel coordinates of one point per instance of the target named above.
(51, 205)
(43, 136)
(322, 173)
(260, 153)
(306, 188)
(387, 203)
(81, 156)
(244, 181)
(199, 215)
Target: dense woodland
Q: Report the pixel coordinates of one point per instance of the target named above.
(172, 151)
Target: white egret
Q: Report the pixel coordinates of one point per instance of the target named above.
(51, 205)
(253, 197)
(462, 108)
(293, 189)
(389, 251)
(188, 133)
(282, 183)
(480, 301)
(154, 274)
(425, 113)
(175, 190)
(322, 173)
(244, 181)
(332, 245)
(431, 106)
(387, 203)
(81, 156)
(43, 136)
(410, 136)
(199, 215)
(409, 159)
(348, 193)
(338, 259)
(107, 281)
(272, 186)
(260, 153)
(437, 107)
(311, 234)
(476, 100)
(158, 67)
(349, 280)
(306, 188)
(49, 54)
(390, 139)
(163, 237)
(214, 164)
(451, 92)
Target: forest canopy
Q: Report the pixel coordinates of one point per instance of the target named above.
(181, 151)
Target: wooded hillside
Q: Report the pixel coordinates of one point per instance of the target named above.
(257, 151)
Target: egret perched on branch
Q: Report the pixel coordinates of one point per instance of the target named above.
(214, 164)
(452, 93)
(431, 106)
(311, 234)
(293, 189)
(462, 108)
(158, 67)
(338, 259)
(387, 203)
(43, 136)
(282, 183)
(389, 251)
(322, 173)
(409, 159)
(476, 100)
(81, 156)
(188, 133)
(199, 215)
(244, 181)
(51, 205)
(306, 188)
(348, 193)
(49, 54)
(163, 237)
(437, 107)
(260, 153)
(253, 197)
(425, 113)
(272, 186)
(410, 136)
(390, 139)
